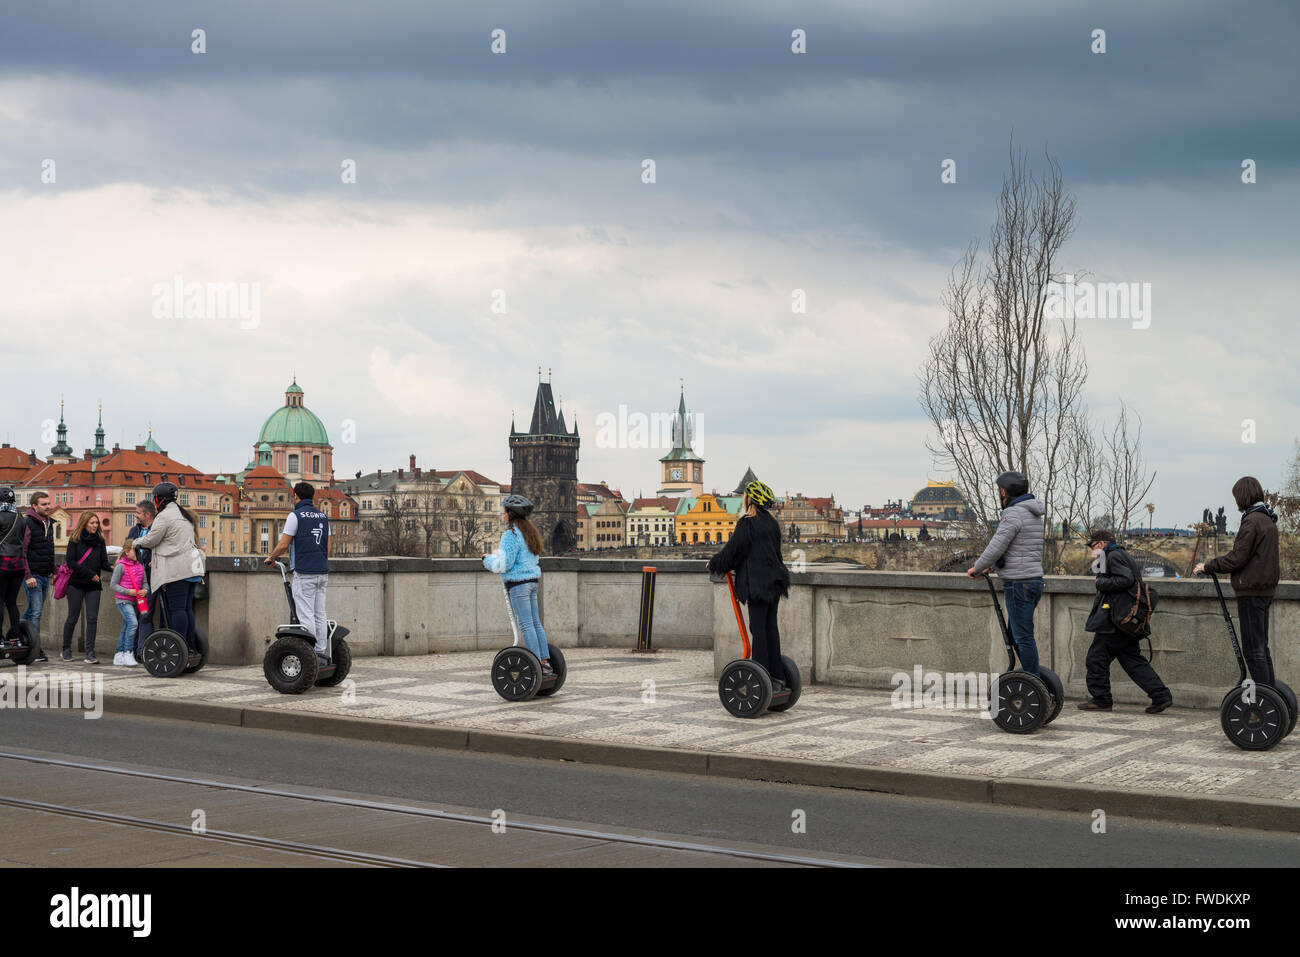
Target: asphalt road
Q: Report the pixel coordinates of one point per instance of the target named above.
(883, 828)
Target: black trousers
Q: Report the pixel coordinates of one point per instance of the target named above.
(1111, 646)
(1253, 612)
(766, 638)
(76, 597)
(10, 584)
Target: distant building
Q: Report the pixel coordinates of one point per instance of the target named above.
(682, 470)
(544, 469)
(803, 518)
(602, 524)
(708, 519)
(300, 447)
(941, 500)
(650, 521)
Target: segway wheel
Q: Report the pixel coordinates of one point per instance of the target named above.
(1282, 688)
(516, 673)
(793, 681)
(32, 637)
(201, 640)
(1257, 725)
(1023, 702)
(342, 664)
(1057, 691)
(559, 667)
(290, 665)
(745, 688)
(164, 653)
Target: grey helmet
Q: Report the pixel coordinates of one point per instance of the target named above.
(517, 505)
(1016, 483)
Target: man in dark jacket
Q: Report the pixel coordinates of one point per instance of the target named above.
(762, 580)
(1255, 569)
(38, 546)
(1117, 580)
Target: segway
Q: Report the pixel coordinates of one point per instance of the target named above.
(1026, 702)
(1253, 721)
(517, 672)
(23, 647)
(165, 654)
(290, 664)
(745, 687)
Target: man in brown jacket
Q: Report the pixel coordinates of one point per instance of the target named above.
(1253, 564)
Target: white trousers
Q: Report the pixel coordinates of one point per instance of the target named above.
(309, 600)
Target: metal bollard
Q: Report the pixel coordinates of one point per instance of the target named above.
(646, 621)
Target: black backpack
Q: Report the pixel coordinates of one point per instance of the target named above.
(1136, 622)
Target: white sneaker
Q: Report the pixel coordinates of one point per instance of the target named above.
(128, 659)
(117, 658)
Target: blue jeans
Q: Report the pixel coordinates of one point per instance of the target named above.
(36, 599)
(179, 599)
(1022, 599)
(130, 622)
(523, 605)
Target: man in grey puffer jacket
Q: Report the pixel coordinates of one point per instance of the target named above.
(1017, 551)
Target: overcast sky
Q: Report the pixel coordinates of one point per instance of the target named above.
(521, 172)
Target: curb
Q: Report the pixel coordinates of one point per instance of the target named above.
(1247, 812)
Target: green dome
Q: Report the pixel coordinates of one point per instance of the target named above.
(293, 425)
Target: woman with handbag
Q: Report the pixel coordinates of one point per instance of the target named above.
(86, 557)
(177, 562)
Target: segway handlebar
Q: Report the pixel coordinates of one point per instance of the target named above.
(1232, 630)
(284, 571)
(1002, 623)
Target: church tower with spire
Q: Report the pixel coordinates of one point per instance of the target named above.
(683, 469)
(61, 453)
(544, 470)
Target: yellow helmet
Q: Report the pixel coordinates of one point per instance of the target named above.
(760, 494)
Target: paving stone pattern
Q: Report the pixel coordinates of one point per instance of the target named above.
(607, 697)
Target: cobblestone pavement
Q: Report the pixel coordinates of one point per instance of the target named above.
(670, 700)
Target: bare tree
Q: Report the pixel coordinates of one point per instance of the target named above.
(1127, 480)
(1003, 382)
(390, 532)
(1286, 503)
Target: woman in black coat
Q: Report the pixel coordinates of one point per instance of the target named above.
(762, 580)
(87, 556)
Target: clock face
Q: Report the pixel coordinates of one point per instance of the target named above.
(677, 475)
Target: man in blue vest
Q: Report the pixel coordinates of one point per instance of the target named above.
(306, 537)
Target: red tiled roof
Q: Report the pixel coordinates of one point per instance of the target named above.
(662, 502)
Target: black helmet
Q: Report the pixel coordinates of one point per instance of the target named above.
(1014, 482)
(163, 493)
(6, 495)
(517, 505)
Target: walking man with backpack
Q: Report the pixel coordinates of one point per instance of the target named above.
(1118, 628)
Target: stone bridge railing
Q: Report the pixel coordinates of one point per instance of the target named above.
(854, 628)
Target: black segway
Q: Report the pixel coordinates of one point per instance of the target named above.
(23, 648)
(290, 664)
(1254, 717)
(165, 654)
(1025, 702)
(745, 687)
(517, 672)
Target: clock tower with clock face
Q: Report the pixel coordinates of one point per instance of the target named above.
(682, 469)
